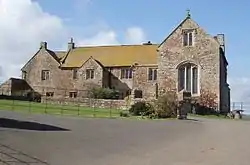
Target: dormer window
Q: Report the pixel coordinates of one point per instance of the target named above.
(188, 38)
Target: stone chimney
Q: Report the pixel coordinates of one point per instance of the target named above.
(147, 43)
(221, 39)
(43, 45)
(71, 44)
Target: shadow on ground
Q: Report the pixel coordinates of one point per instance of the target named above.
(196, 120)
(25, 125)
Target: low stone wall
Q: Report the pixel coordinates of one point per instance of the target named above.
(87, 102)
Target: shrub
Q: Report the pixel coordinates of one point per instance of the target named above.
(124, 114)
(206, 104)
(141, 108)
(104, 93)
(166, 105)
(208, 99)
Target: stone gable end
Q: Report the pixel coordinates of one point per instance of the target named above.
(42, 61)
(83, 82)
(204, 53)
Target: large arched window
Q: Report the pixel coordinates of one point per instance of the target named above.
(188, 78)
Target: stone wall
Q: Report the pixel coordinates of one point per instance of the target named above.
(46, 60)
(87, 102)
(116, 82)
(61, 80)
(204, 54)
(82, 81)
(5, 88)
(141, 82)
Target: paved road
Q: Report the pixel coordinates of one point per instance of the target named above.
(52, 140)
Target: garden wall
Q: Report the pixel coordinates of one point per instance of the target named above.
(88, 102)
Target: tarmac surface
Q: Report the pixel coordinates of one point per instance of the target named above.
(27, 139)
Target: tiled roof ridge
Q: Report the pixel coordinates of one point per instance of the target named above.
(115, 45)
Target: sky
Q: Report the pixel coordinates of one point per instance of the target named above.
(25, 23)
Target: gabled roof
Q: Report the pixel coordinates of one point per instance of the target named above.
(111, 56)
(91, 58)
(60, 54)
(182, 22)
(57, 55)
(54, 55)
(173, 31)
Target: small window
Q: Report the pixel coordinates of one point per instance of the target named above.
(138, 93)
(45, 75)
(90, 74)
(188, 38)
(24, 75)
(126, 73)
(74, 73)
(49, 94)
(152, 74)
(72, 94)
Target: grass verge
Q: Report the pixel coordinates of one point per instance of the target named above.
(55, 109)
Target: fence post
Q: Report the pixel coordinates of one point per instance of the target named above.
(45, 110)
(13, 105)
(241, 105)
(78, 103)
(29, 106)
(94, 115)
(63, 102)
(110, 112)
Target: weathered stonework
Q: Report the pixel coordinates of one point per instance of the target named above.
(207, 53)
(141, 82)
(87, 102)
(43, 60)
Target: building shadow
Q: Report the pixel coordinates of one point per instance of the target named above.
(26, 125)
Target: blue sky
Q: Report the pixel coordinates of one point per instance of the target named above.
(157, 18)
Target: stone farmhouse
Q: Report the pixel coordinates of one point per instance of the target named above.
(187, 59)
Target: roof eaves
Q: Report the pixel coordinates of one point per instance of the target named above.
(65, 57)
(53, 54)
(30, 59)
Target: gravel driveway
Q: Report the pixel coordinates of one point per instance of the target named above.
(55, 140)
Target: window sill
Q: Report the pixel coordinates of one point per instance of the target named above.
(195, 95)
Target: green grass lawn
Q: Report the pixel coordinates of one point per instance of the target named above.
(42, 108)
(209, 116)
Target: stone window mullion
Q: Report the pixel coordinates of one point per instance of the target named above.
(191, 80)
(185, 79)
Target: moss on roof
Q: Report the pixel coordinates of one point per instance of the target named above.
(123, 55)
(60, 54)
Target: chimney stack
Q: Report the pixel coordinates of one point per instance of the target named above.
(147, 43)
(221, 40)
(71, 44)
(43, 45)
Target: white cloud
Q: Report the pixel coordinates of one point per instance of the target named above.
(135, 35)
(107, 37)
(23, 24)
(240, 91)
